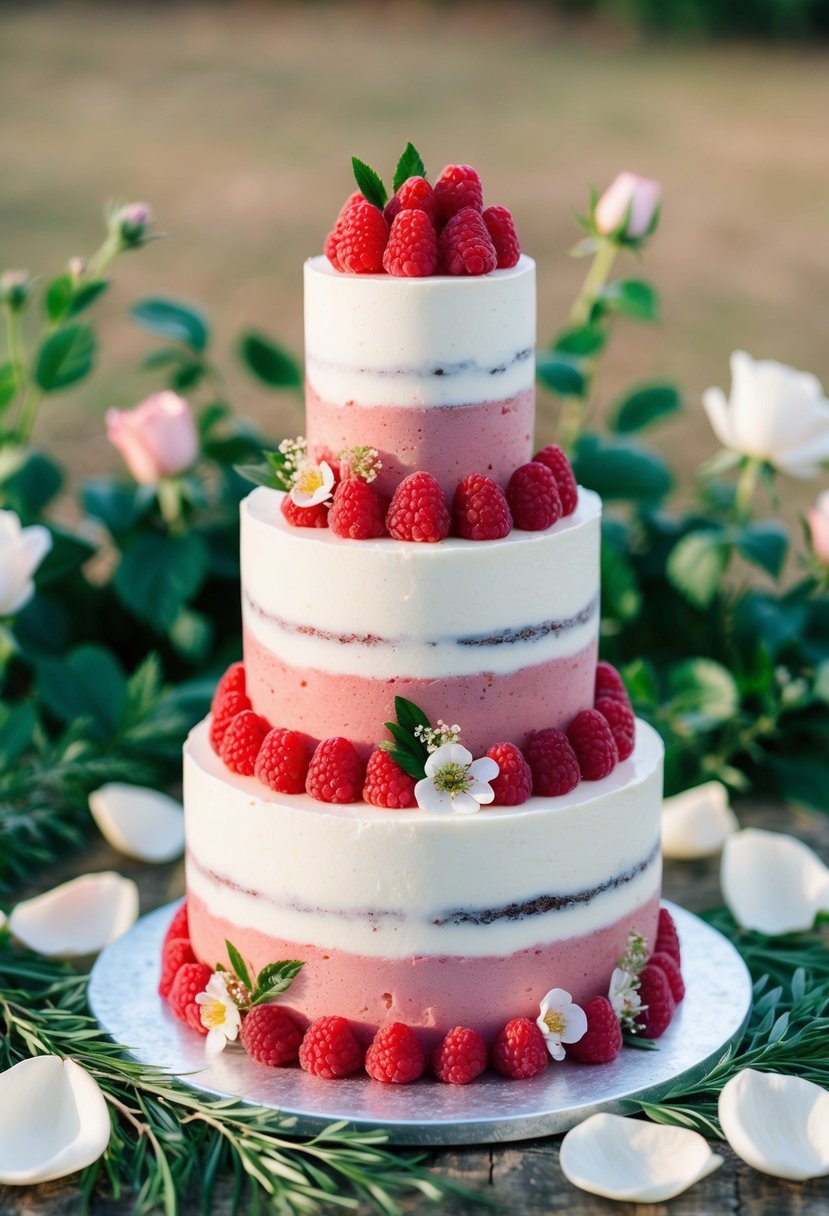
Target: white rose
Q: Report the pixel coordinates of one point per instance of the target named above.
(775, 414)
(21, 552)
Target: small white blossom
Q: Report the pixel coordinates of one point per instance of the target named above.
(295, 452)
(363, 462)
(456, 782)
(313, 484)
(436, 736)
(218, 1013)
(624, 996)
(560, 1021)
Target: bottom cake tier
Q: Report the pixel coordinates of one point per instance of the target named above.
(427, 919)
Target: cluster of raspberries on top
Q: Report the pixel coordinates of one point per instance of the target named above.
(330, 1048)
(425, 230)
(538, 494)
(552, 762)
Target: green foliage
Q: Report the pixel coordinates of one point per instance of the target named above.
(269, 362)
(632, 298)
(65, 357)
(561, 375)
(620, 469)
(173, 319)
(645, 405)
(410, 165)
(407, 749)
(159, 574)
(369, 183)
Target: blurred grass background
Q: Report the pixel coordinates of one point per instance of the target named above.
(237, 122)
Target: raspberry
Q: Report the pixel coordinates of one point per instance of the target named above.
(336, 772)
(418, 510)
(332, 241)
(224, 711)
(610, 684)
(282, 762)
(396, 1055)
(655, 992)
(619, 717)
(460, 1058)
(179, 926)
(305, 517)
(357, 510)
(553, 763)
(602, 1041)
(191, 979)
(501, 227)
(271, 1035)
(668, 964)
(479, 510)
(667, 941)
(514, 782)
(174, 954)
(232, 681)
(363, 239)
(519, 1050)
(386, 784)
(329, 1049)
(533, 497)
(465, 246)
(241, 742)
(414, 195)
(458, 187)
(592, 740)
(412, 249)
(558, 464)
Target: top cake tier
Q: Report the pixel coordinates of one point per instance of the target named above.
(435, 373)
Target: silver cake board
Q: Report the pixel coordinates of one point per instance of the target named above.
(123, 997)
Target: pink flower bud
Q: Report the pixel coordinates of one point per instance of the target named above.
(14, 288)
(76, 268)
(131, 223)
(628, 206)
(157, 439)
(818, 519)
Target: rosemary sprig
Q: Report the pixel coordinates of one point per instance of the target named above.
(167, 1141)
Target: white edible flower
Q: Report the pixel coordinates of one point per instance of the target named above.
(560, 1021)
(314, 483)
(634, 1161)
(21, 552)
(772, 882)
(54, 1120)
(697, 822)
(774, 414)
(218, 1013)
(777, 1124)
(624, 996)
(456, 782)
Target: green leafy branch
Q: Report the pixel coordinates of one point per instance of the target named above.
(271, 981)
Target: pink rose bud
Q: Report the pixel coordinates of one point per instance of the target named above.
(14, 288)
(131, 223)
(76, 268)
(818, 519)
(628, 206)
(157, 439)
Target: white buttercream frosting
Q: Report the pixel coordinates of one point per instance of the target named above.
(442, 340)
(417, 610)
(398, 883)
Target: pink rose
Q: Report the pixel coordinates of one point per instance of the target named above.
(628, 198)
(157, 439)
(818, 517)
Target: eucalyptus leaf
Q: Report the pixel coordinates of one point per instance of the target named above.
(173, 319)
(65, 357)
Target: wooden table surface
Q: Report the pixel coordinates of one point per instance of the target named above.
(522, 1178)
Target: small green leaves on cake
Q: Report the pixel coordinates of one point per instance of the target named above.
(278, 469)
(408, 749)
(271, 981)
(409, 165)
(370, 183)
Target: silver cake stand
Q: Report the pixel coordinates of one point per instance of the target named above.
(123, 997)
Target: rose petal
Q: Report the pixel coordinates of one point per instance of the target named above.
(139, 822)
(772, 882)
(777, 1124)
(78, 917)
(53, 1120)
(634, 1161)
(697, 822)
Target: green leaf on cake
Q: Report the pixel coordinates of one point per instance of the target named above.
(410, 715)
(238, 964)
(407, 750)
(275, 979)
(276, 472)
(371, 187)
(410, 165)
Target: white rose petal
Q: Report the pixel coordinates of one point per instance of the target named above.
(53, 1121)
(21, 552)
(139, 822)
(773, 883)
(697, 822)
(777, 1124)
(634, 1161)
(78, 917)
(775, 414)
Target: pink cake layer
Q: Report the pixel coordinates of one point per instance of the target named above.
(492, 708)
(491, 437)
(429, 993)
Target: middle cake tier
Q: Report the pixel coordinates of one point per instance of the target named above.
(500, 637)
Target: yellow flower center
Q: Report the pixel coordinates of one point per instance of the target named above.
(309, 480)
(453, 779)
(213, 1014)
(554, 1021)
